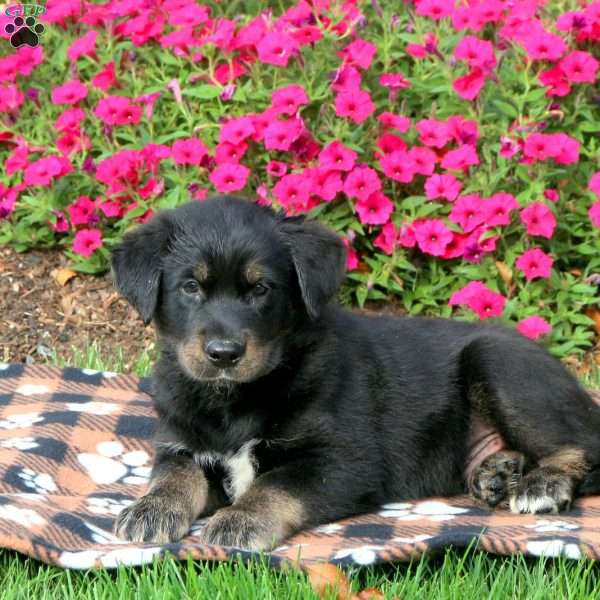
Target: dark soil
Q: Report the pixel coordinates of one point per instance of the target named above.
(39, 317)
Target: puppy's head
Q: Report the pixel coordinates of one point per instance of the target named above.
(227, 282)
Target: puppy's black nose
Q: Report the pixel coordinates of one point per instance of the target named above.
(224, 353)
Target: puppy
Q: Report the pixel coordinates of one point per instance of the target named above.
(279, 410)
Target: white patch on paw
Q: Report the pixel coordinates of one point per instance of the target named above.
(524, 504)
(110, 464)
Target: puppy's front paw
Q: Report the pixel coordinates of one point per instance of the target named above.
(242, 529)
(497, 476)
(153, 518)
(544, 490)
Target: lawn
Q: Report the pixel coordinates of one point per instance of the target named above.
(456, 574)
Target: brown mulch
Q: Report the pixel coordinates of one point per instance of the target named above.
(39, 316)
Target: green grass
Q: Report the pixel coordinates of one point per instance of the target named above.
(453, 575)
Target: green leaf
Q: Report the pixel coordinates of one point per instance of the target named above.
(205, 92)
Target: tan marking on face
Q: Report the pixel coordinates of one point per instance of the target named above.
(201, 271)
(569, 460)
(254, 273)
(259, 359)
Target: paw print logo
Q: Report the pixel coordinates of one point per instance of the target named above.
(24, 32)
(111, 464)
(40, 483)
(104, 505)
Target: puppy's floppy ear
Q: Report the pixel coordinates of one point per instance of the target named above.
(137, 264)
(319, 258)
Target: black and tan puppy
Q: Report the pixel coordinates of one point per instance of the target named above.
(279, 410)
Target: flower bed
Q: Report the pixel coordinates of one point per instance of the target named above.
(452, 145)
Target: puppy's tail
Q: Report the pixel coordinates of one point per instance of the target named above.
(590, 486)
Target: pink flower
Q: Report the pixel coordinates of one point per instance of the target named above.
(497, 209)
(594, 214)
(83, 46)
(237, 130)
(17, 161)
(189, 151)
(469, 86)
(374, 210)
(69, 93)
(358, 53)
(460, 159)
(354, 104)
(70, 119)
(105, 79)
(390, 120)
(552, 195)
(539, 220)
(433, 133)
(508, 147)
(43, 171)
(337, 156)
(399, 166)
(8, 199)
(389, 142)
(82, 211)
(293, 190)
(227, 152)
(541, 45)
(346, 78)
(387, 239)
(433, 236)
(539, 146)
(423, 159)
(465, 294)
(394, 81)
(462, 130)
(535, 263)
(435, 9)
(579, 67)
(361, 182)
(594, 183)
(61, 225)
(534, 327)
(556, 80)
(118, 110)
(87, 241)
(229, 177)
(326, 183)
(566, 149)
(442, 186)
(476, 52)
(486, 303)
(351, 256)
(468, 212)
(280, 135)
(287, 100)
(276, 168)
(276, 49)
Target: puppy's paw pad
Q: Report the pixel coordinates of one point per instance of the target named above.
(543, 492)
(239, 528)
(154, 519)
(497, 476)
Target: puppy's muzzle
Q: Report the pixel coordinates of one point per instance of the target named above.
(224, 353)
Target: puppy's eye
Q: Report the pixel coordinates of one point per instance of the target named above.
(190, 287)
(260, 289)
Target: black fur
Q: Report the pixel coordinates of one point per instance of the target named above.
(351, 411)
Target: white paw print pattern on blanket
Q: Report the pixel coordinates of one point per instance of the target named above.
(111, 464)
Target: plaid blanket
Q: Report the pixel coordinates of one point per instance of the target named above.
(75, 449)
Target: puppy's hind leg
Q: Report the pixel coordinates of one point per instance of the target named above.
(551, 486)
(540, 410)
(497, 477)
